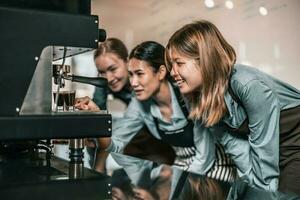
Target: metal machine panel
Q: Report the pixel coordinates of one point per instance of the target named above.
(30, 41)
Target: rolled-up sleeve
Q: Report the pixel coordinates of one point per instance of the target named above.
(125, 128)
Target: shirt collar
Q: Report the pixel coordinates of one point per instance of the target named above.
(177, 112)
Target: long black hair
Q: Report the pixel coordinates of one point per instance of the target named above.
(151, 52)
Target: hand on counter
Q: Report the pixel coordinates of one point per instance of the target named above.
(86, 103)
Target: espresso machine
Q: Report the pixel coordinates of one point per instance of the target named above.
(33, 34)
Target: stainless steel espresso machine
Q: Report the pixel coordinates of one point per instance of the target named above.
(33, 34)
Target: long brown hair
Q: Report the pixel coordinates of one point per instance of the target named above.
(112, 45)
(215, 58)
(199, 187)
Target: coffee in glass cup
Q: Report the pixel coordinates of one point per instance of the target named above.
(65, 101)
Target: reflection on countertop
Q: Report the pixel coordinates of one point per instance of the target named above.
(49, 177)
(143, 179)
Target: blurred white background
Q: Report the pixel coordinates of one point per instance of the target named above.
(264, 33)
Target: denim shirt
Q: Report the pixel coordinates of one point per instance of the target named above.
(262, 98)
(100, 96)
(139, 114)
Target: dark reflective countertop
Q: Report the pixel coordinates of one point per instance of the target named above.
(143, 179)
(42, 177)
(39, 177)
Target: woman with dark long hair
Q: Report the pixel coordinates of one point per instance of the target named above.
(158, 105)
(111, 60)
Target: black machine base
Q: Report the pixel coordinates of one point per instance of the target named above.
(38, 178)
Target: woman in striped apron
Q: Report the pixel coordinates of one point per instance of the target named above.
(157, 104)
(253, 115)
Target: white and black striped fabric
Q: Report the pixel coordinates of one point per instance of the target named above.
(184, 157)
(223, 168)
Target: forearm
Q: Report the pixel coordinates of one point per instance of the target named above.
(252, 167)
(103, 143)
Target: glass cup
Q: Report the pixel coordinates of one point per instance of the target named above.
(65, 101)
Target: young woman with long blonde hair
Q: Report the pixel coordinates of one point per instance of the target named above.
(248, 111)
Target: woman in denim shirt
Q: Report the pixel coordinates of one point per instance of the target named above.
(111, 62)
(248, 111)
(111, 59)
(157, 105)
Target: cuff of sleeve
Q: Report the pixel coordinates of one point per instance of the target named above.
(253, 181)
(110, 148)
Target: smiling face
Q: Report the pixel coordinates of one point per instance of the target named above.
(113, 68)
(144, 81)
(186, 73)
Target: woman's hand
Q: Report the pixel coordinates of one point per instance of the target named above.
(104, 142)
(85, 103)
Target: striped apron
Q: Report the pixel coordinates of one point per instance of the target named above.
(182, 141)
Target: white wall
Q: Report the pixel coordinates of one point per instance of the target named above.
(270, 43)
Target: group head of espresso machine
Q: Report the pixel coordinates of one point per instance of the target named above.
(35, 34)
(63, 72)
